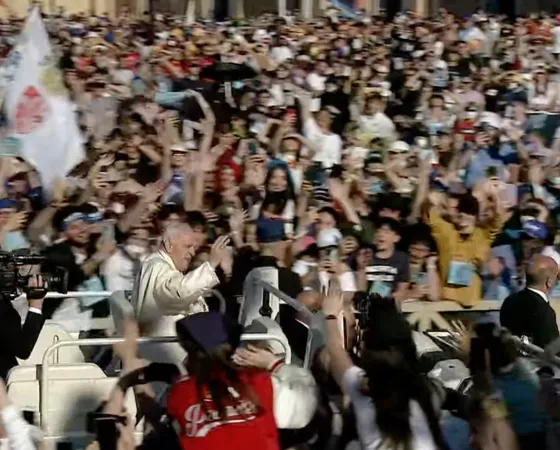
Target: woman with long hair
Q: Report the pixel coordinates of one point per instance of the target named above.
(279, 196)
(220, 405)
(392, 401)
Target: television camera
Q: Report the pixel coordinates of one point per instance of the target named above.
(14, 280)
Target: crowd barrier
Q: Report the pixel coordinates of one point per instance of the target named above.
(430, 315)
(421, 314)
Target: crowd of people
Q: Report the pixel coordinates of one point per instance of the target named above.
(366, 159)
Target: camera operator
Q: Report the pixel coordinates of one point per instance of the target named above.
(18, 340)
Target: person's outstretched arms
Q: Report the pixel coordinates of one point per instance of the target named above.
(333, 304)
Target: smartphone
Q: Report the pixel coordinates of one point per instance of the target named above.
(108, 232)
(106, 432)
(336, 171)
(252, 148)
(315, 175)
(29, 416)
(333, 254)
(64, 445)
(492, 172)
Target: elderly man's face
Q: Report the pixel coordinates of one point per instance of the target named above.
(182, 248)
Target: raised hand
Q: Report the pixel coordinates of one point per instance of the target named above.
(237, 219)
(218, 251)
(333, 299)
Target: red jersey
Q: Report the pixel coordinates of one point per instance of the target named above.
(246, 426)
(466, 127)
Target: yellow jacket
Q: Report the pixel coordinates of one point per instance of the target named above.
(472, 249)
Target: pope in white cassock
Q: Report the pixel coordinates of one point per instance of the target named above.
(163, 293)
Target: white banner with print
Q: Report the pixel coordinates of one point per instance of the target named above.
(37, 107)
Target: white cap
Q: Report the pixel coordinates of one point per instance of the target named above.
(329, 238)
(178, 148)
(491, 119)
(400, 146)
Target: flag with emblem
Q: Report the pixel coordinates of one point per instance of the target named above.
(37, 108)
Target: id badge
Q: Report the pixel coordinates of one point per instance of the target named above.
(460, 273)
(421, 278)
(380, 288)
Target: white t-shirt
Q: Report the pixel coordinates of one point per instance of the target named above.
(347, 281)
(556, 40)
(364, 409)
(379, 125)
(329, 144)
(316, 81)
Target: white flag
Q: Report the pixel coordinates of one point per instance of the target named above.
(37, 107)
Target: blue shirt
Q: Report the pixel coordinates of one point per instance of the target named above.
(494, 290)
(521, 396)
(490, 157)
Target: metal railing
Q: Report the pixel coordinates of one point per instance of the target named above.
(44, 382)
(534, 350)
(308, 318)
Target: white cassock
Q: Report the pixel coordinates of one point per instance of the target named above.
(161, 296)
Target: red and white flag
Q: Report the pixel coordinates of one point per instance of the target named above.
(37, 107)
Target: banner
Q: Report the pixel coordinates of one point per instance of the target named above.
(36, 106)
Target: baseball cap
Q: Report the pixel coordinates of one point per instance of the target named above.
(6, 203)
(179, 148)
(270, 230)
(535, 229)
(399, 146)
(329, 237)
(208, 330)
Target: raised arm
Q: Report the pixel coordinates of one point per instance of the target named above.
(333, 305)
(175, 292)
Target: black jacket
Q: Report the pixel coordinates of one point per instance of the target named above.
(526, 313)
(17, 340)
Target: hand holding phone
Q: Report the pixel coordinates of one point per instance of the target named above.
(106, 432)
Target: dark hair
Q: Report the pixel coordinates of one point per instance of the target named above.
(331, 211)
(196, 219)
(169, 209)
(279, 199)
(468, 204)
(393, 224)
(500, 345)
(420, 234)
(392, 201)
(217, 374)
(437, 97)
(392, 376)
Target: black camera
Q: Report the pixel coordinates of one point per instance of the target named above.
(13, 281)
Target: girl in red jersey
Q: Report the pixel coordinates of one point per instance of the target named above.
(219, 405)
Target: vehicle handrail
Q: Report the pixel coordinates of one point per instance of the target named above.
(534, 349)
(74, 294)
(220, 298)
(44, 383)
(307, 316)
(285, 298)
